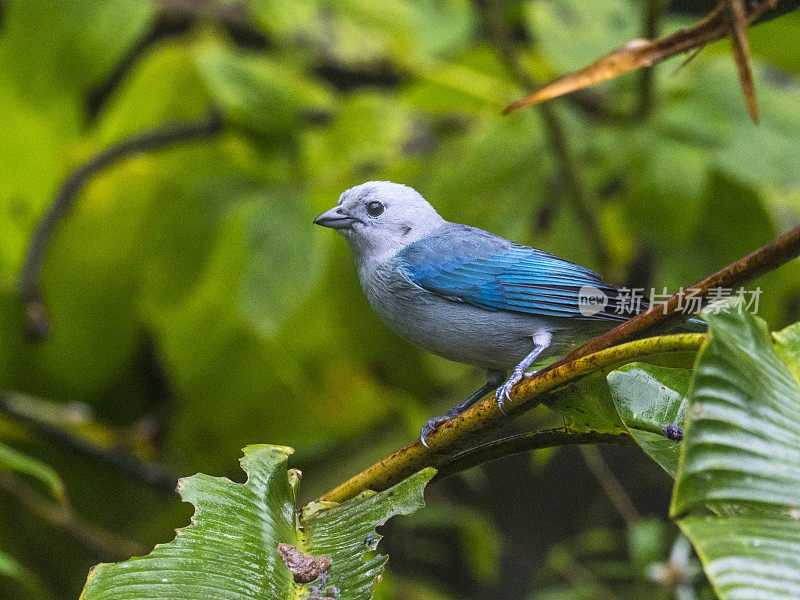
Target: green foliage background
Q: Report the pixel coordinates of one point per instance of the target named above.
(196, 310)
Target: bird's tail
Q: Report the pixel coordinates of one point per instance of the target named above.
(693, 325)
(690, 325)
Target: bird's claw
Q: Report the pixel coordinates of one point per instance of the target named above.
(503, 393)
(429, 428)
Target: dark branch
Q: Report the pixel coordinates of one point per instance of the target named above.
(164, 136)
(644, 53)
(525, 442)
(102, 543)
(755, 264)
(153, 475)
(653, 12)
(163, 28)
(612, 487)
(176, 18)
(741, 54)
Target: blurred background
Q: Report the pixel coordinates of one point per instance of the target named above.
(194, 308)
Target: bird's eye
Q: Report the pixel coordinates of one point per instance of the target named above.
(374, 208)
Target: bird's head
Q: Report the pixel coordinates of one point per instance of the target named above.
(379, 218)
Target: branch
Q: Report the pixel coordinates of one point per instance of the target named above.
(177, 18)
(485, 415)
(613, 489)
(104, 544)
(644, 53)
(595, 355)
(161, 137)
(525, 442)
(129, 464)
(653, 12)
(755, 264)
(741, 54)
(582, 201)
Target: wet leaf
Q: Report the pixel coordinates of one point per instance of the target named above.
(648, 399)
(247, 542)
(740, 459)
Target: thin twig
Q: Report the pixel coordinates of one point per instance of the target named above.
(741, 54)
(159, 138)
(525, 442)
(582, 201)
(595, 355)
(644, 53)
(105, 545)
(611, 486)
(131, 465)
(653, 11)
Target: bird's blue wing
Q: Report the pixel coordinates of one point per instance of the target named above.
(470, 265)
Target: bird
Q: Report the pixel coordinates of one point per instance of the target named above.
(465, 294)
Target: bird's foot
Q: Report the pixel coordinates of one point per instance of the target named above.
(431, 426)
(503, 393)
(673, 432)
(493, 377)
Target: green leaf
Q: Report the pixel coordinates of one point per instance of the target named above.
(282, 258)
(639, 399)
(648, 398)
(63, 48)
(648, 542)
(743, 431)
(231, 549)
(258, 94)
(787, 347)
(11, 568)
(14, 460)
(752, 558)
(603, 26)
(586, 405)
(647, 152)
(768, 41)
(741, 459)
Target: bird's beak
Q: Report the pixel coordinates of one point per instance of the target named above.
(335, 218)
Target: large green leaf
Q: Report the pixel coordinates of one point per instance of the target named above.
(743, 432)
(748, 558)
(231, 549)
(741, 459)
(259, 95)
(282, 257)
(586, 405)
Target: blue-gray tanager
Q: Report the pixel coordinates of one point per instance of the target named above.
(466, 294)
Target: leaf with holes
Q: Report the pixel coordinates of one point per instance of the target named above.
(247, 542)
